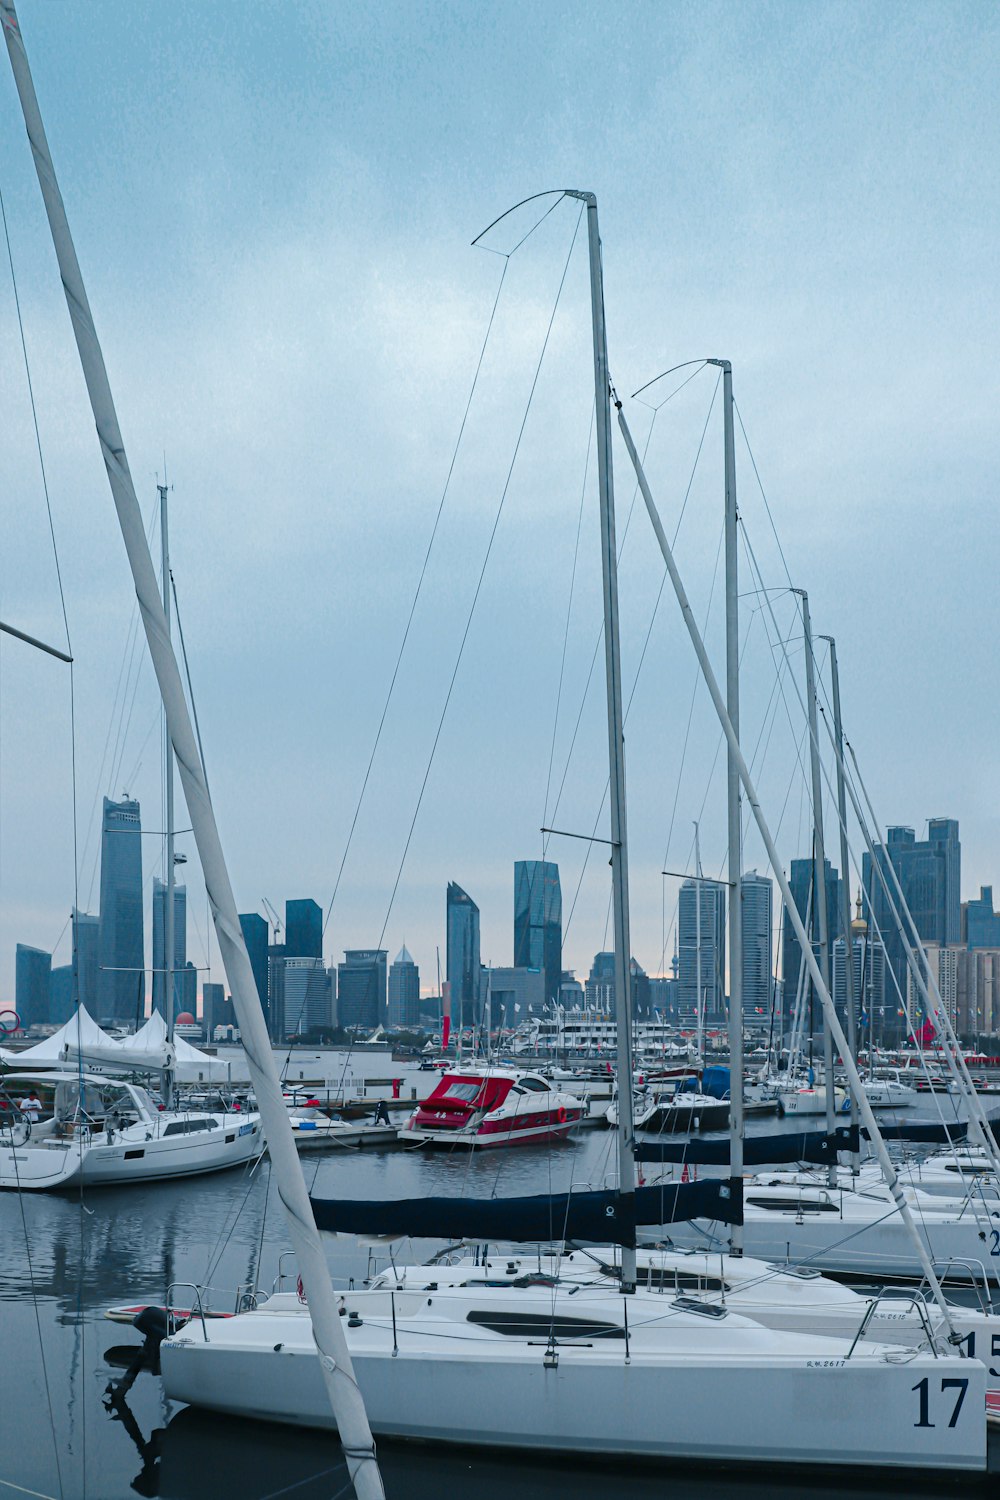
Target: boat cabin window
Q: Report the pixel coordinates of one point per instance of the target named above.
(146, 1100)
(799, 1205)
(185, 1127)
(466, 1091)
(523, 1325)
(536, 1085)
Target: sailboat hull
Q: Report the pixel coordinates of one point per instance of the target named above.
(132, 1156)
(858, 1235)
(753, 1406)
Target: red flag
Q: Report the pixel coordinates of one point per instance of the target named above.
(445, 1032)
(925, 1036)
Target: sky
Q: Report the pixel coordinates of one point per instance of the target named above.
(274, 211)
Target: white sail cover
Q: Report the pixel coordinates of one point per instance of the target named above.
(80, 1030)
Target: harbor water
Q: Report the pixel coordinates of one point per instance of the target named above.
(68, 1258)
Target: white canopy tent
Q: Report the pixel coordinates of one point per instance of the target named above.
(82, 1040)
(81, 1030)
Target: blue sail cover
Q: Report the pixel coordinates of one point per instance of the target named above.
(924, 1130)
(601, 1218)
(758, 1150)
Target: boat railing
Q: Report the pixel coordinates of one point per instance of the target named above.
(288, 1280)
(976, 1277)
(196, 1304)
(915, 1301)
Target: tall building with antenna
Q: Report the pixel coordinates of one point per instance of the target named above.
(701, 949)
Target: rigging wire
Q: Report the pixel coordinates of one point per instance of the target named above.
(128, 652)
(420, 584)
(76, 857)
(482, 573)
(621, 550)
(763, 494)
(569, 612)
(656, 605)
(187, 674)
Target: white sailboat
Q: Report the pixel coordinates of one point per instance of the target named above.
(520, 1365)
(100, 1131)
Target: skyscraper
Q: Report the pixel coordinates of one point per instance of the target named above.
(308, 996)
(980, 923)
(709, 989)
(361, 987)
(463, 956)
(87, 936)
(215, 1009)
(538, 921)
(275, 1010)
(32, 985)
(757, 892)
(868, 981)
(160, 964)
(404, 992)
(801, 882)
(255, 936)
(121, 985)
(929, 871)
(61, 1005)
(599, 990)
(303, 929)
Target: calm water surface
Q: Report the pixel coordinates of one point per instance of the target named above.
(117, 1245)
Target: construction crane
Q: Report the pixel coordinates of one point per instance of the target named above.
(275, 920)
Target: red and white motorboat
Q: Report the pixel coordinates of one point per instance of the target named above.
(479, 1105)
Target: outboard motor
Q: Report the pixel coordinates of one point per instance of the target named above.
(155, 1324)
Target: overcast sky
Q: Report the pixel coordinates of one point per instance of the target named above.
(274, 209)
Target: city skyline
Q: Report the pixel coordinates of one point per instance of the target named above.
(930, 871)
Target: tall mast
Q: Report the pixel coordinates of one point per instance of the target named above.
(850, 999)
(699, 992)
(820, 911)
(733, 800)
(792, 912)
(334, 1356)
(169, 935)
(616, 747)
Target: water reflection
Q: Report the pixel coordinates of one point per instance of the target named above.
(204, 1457)
(124, 1245)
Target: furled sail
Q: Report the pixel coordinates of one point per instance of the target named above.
(758, 1150)
(602, 1217)
(924, 1130)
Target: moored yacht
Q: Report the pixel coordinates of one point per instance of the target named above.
(483, 1106)
(99, 1131)
(581, 1369)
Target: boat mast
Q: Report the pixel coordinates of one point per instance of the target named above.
(616, 747)
(169, 936)
(820, 908)
(850, 999)
(699, 993)
(792, 912)
(733, 800)
(334, 1356)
